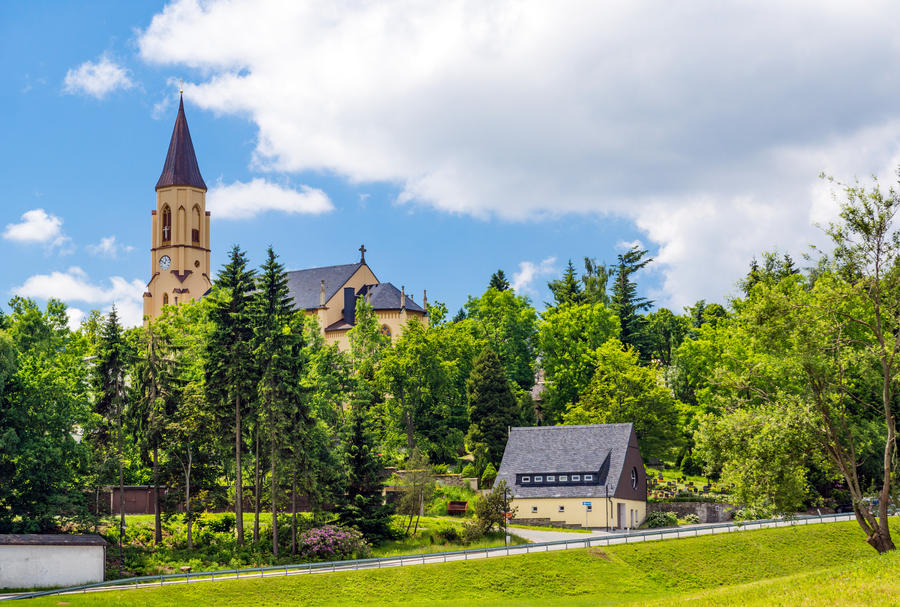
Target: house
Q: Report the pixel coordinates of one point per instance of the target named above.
(576, 476)
(330, 294)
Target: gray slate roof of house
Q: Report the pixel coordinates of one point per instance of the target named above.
(385, 296)
(48, 539)
(555, 449)
(306, 284)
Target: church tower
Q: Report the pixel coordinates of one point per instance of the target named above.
(179, 252)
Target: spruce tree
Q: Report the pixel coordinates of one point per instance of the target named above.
(109, 384)
(498, 281)
(492, 407)
(230, 377)
(566, 290)
(278, 341)
(362, 506)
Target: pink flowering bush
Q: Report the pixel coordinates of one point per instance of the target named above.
(330, 543)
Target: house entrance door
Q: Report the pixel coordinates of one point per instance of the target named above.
(620, 515)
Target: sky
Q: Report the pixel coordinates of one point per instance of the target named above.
(451, 138)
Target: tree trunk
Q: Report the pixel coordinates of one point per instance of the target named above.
(157, 519)
(121, 482)
(294, 512)
(274, 502)
(187, 500)
(238, 488)
(256, 491)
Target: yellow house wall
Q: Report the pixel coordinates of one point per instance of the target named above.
(576, 514)
(185, 254)
(335, 305)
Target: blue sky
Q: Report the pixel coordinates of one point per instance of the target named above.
(451, 138)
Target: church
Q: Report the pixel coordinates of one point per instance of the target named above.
(180, 258)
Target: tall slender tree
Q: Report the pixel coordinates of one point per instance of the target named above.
(279, 351)
(492, 408)
(567, 290)
(230, 373)
(625, 301)
(109, 383)
(498, 281)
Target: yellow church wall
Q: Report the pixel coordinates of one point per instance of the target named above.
(575, 513)
(335, 306)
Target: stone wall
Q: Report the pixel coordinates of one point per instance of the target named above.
(707, 512)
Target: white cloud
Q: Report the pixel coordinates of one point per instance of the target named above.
(75, 285)
(529, 271)
(109, 247)
(75, 316)
(705, 123)
(97, 78)
(239, 200)
(39, 227)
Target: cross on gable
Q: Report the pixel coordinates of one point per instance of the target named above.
(362, 250)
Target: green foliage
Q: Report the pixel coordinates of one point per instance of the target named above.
(468, 471)
(492, 408)
(490, 510)
(362, 507)
(691, 519)
(488, 476)
(498, 281)
(509, 323)
(661, 519)
(624, 391)
(568, 337)
(567, 290)
(625, 301)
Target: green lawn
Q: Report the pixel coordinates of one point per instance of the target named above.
(794, 565)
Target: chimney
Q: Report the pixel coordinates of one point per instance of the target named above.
(425, 300)
(349, 305)
(402, 297)
(322, 294)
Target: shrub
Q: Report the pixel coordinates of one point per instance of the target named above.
(331, 543)
(440, 468)
(217, 523)
(469, 471)
(748, 513)
(448, 534)
(472, 531)
(662, 519)
(691, 519)
(488, 476)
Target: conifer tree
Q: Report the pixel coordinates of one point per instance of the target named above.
(492, 407)
(109, 383)
(498, 281)
(566, 290)
(278, 340)
(625, 301)
(363, 506)
(230, 377)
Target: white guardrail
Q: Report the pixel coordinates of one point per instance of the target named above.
(628, 537)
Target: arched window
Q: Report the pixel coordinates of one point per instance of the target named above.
(166, 224)
(181, 225)
(386, 331)
(195, 226)
(165, 299)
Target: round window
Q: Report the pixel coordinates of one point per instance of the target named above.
(634, 478)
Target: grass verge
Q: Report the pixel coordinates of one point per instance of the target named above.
(785, 562)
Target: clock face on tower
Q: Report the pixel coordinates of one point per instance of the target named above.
(164, 262)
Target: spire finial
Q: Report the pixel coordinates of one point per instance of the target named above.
(362, 251)
(181, 86)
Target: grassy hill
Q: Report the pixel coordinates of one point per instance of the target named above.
(793, 565)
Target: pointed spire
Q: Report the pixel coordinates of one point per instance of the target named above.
(181, 163)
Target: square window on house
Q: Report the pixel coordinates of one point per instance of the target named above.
(562, 508)
(539, 479)
(576, 478)
(534, 510)
(588, 478)
(563, 478)
(551, 478)
(526, 479)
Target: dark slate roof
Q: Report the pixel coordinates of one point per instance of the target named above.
(305, 284)
(566, 449)
(181, 163)
(385, 296)
(340, 325)
(47, 539)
